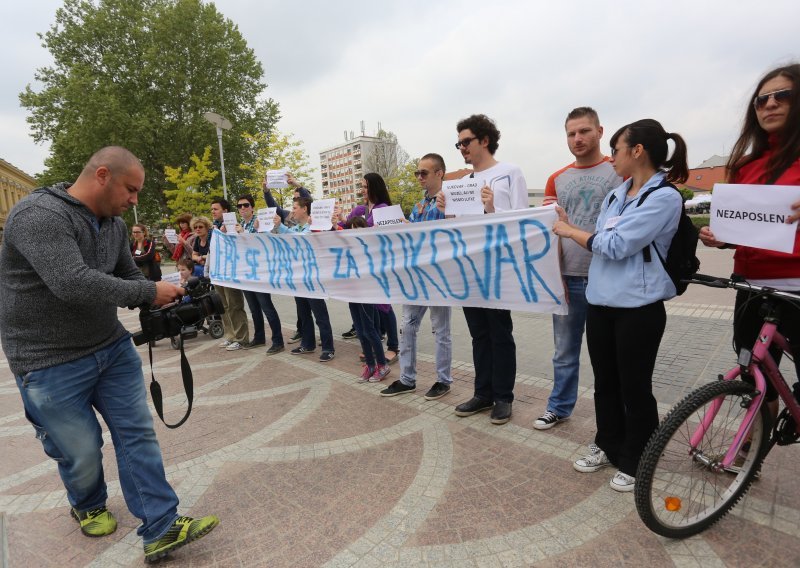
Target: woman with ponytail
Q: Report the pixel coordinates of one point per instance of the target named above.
(626, 291)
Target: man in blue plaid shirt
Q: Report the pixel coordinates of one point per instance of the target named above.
(430, 173)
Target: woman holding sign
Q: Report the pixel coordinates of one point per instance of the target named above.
(767, 153)
(627, 287)
(376, 195)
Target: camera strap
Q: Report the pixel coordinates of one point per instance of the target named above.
(188, 386)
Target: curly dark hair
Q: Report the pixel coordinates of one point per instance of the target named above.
(482, 127)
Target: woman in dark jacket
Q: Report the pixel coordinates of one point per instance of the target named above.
(145, 254)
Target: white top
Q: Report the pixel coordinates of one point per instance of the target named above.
(508, 185)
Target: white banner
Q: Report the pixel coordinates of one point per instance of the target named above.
(505, 260)
(754, 215)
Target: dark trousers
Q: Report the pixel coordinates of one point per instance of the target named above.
(261, 302)
(623, 346)
(494, 353)
(316, 306)
(365, 321)
(747, 322)
(387, 323)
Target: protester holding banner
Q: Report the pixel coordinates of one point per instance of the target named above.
(430, 173)
(234, 320)
(579, 189)
(376, 196)
(494, 352)
(366, 322)
(260, 303)
(767, 153)
(309, 309)
(627, 287)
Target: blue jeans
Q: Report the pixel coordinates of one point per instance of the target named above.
(316, 306)
(567, 337)
(440, 321)
(365, 317)
(59, 401)
(259, 302)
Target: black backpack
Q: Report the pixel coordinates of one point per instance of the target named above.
(681, 262)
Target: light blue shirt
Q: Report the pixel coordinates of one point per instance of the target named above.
(618, 275)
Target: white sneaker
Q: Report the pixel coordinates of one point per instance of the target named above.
(595, 460)
(224, 343)
(622, 482)
(548, 420)
(235, 346)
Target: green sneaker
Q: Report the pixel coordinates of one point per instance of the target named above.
(183, 531)
(96, 522)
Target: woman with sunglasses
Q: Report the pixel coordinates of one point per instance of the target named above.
(767, 153)
(627, 286)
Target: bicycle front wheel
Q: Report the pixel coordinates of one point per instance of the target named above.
(680, 490)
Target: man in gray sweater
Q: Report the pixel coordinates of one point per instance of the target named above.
(65, 251)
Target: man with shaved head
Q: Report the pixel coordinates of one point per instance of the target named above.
(71, 356)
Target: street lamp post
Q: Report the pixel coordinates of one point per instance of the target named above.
(221, 123)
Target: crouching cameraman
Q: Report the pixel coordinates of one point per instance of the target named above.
(65, 251)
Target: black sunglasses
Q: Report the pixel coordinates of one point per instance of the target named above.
(465, 142)
(781, 96)
(242, 205)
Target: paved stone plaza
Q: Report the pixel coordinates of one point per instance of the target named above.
(306, 467)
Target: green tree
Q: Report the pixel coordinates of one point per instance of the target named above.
(141, 74)
(275, 151)
(403, 187)
(193, 191)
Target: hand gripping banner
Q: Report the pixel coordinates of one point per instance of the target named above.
(504, 260)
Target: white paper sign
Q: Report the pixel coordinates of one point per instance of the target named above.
(463, 197)
(321, 213)
(172, 277)
(266, 219)
(171, 236)
(276, 179)
(392, 215)
(230, 222)
(754, 215)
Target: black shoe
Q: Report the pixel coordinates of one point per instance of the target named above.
(501, 413)
(473, 406)
(275, 349)
(301, 351)
(397, 388)
(296, 337)
(252, 344)
(350, 334)
(327, 356)
(438, 390)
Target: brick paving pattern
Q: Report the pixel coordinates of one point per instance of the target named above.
(307, 467)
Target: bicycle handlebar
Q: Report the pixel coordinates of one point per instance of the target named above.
(738, 283)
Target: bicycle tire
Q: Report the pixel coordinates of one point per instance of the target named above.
(678, 495)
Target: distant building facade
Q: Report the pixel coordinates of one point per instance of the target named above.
(14, 185)
(342, 167)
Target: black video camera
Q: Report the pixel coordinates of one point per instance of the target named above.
(170, 320)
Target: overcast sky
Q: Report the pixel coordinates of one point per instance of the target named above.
(417, 67)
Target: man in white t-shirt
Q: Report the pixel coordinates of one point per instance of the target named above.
(494, 352)
(580, 189)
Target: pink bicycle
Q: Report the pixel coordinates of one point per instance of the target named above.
(709, 448)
